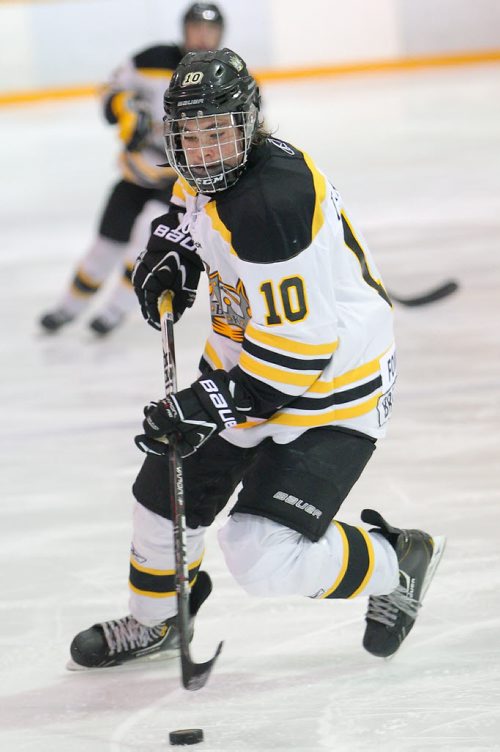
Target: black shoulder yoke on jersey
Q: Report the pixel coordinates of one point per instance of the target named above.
(160, 56)
(270, 210)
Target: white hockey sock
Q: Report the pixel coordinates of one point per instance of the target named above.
(152, 565)
(268, 559)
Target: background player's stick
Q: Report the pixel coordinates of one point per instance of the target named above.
(447, 288)
(194, 675)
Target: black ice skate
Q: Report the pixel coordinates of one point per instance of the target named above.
(55, 320)
(106, 322)
(390, 618)
(114, 642)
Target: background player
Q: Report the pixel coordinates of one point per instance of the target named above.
(133, 101)
(295, 388)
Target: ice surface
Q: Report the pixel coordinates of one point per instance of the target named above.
(417, 158)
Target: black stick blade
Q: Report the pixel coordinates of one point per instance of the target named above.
(195, 675)
(429, 297)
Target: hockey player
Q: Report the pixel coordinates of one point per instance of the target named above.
(295, 388)
(133, 101)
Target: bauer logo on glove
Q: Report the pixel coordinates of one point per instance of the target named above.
(168, 263)
(219, 402)
(192, 416)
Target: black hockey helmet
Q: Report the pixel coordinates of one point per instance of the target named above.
(207, 12)
(215, 85)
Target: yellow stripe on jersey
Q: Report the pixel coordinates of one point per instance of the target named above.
(155, 72)
(345, 560)
(349, 377)
(289, 345)
(184, 186)
(178, 192)
(212, 356)
(218, 225)
(255, 367)
(321, 419)
(321, 387)
(320, 193)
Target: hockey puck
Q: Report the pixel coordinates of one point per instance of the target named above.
(186, 736)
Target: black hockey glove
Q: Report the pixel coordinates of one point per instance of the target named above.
(168, 263)
(192, 415)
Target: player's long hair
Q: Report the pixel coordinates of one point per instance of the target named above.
(261, 134)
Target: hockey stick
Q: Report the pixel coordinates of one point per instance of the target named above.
(194, 675)
(447, 288)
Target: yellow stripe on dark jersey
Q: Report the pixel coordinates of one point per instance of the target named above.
(184, 186)
(218, 225)
(357, 562)
(320, 191)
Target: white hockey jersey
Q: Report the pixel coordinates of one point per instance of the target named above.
(299, 312)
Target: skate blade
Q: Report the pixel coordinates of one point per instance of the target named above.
(161, 655)
(439, 543)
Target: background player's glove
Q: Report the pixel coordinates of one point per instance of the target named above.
(168, 263)
(134, 120)
(192, 415)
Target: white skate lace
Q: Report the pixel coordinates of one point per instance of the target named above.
(127, 634)
(385, 608)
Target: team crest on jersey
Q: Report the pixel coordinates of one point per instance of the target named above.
(229, 308)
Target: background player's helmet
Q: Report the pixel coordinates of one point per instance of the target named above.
(215, 86)
(207, 12)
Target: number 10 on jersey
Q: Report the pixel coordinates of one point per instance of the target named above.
(286, 299)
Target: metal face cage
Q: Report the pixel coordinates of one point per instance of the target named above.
(210, 151)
